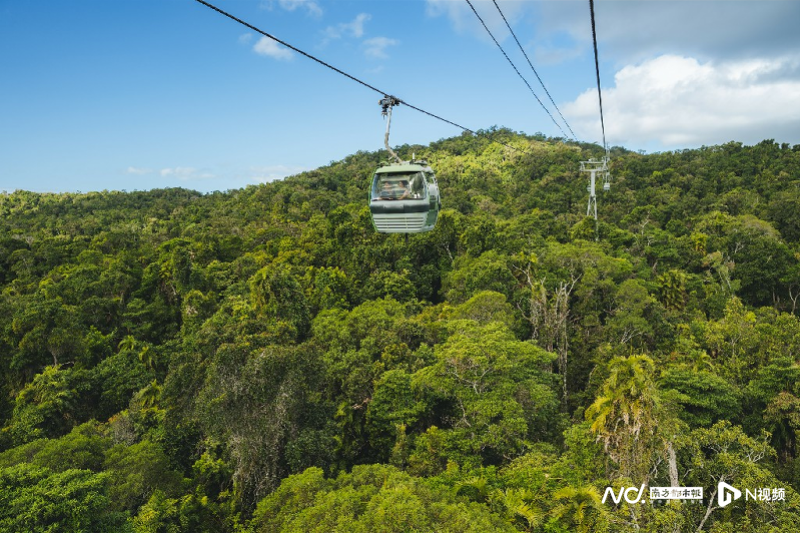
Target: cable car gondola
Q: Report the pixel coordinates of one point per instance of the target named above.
(404, 197)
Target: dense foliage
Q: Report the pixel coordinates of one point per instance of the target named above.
(261, 360)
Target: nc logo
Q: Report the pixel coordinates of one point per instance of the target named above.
(616, 498)
(727, 494)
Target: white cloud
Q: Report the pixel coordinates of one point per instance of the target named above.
(265, 174)
(705, 30)
(682, 102)
(455, 11)
(353, 29)
(356, 28)
(376, 47)
(138, 171)
(267, 47)
(245, 38)
(636, 30)
(186, 173)
(464, 20)
(310, 6)
(178, 171)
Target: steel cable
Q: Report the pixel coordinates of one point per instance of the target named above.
(514, 35)
(597, 70)
(515, 68)
(343, 73)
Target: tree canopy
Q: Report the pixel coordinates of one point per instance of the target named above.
(261, 360)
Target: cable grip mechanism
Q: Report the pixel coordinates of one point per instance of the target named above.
(387, 102)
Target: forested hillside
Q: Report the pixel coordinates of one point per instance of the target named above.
(262, 360)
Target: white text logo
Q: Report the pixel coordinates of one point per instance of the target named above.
(616, 498)
(727, 494)
(676, 493)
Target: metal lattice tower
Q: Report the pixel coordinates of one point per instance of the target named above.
(593, 166)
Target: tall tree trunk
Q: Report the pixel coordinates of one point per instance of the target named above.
(548, 314)
(673, 466)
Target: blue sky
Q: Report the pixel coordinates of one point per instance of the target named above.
(137, 94)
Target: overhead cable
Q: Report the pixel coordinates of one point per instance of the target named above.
(575, 137)
(597, 70)
(343, 73)
(515, 67)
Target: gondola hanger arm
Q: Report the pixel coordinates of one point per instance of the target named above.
(387, 103)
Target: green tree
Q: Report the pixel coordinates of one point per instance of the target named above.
(36, 500)
(277, 295)
(724, 453)
(255, 402)
(705, 397)
(499, 389)
(625, 415)
(580, 509)
(137, 471)
(44, 407)
(371, 498)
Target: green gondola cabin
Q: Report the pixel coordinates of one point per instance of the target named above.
(404, 198)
